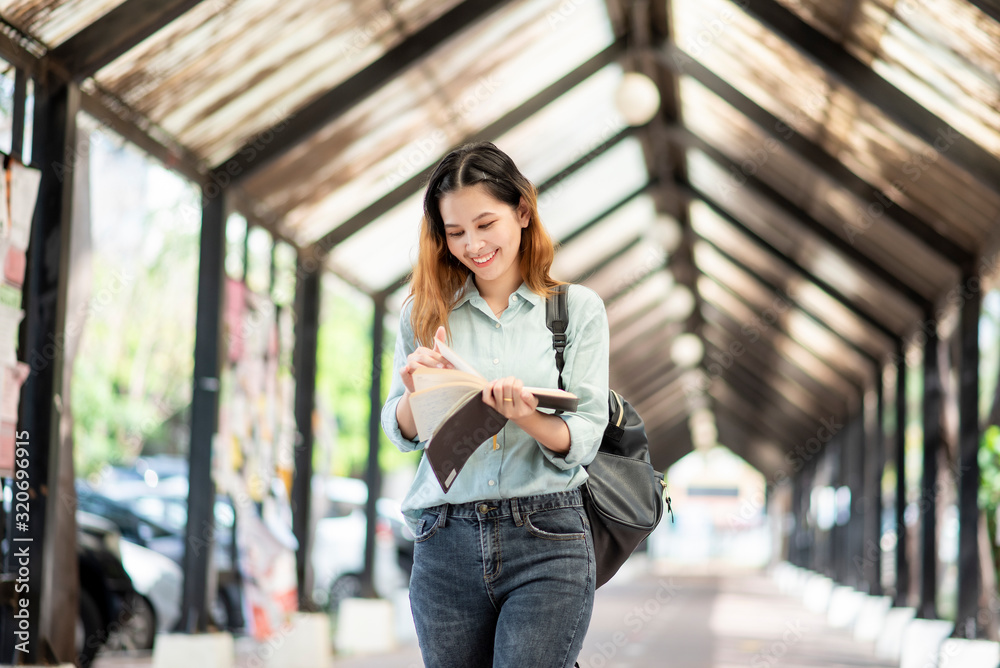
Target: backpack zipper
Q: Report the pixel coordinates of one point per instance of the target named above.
(666, 500)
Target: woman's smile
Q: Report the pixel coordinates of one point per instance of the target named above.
(485, 260)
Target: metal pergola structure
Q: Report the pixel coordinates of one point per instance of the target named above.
(784, 152)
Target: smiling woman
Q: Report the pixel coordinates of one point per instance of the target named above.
(515, 512)
(484, 234)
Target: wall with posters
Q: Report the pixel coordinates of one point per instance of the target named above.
(18, 192)
(253, 456)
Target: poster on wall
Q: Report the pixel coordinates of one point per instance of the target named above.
(256, 429)
(18, 194)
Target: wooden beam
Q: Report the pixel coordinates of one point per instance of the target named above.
(781, 204)
(416, 182)
(825, 163)
(115, 33)
(305, 122)
(792, 265)
(720, 326)
(817, 318)
(859, 77)
(989, 7)
(718, 210)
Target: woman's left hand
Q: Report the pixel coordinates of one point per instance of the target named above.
(509, 398)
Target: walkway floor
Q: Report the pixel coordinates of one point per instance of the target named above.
(656, 617)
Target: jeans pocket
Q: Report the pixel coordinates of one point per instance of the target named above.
(557, 524)
(427, 526)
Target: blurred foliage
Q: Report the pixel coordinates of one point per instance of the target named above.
(989, 444)
(131, 383)
(989, 469)
(133, 371)
(989, 486)
(343, 382)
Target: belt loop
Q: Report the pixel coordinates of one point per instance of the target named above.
(443, 519)
(516, 512)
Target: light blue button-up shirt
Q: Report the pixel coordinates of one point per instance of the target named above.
(519, 344)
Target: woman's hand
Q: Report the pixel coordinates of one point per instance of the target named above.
(509, 398)
(425, 357)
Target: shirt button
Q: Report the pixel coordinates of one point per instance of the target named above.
(498, 325)
(513, 298)
(496, 361)
(492, 482)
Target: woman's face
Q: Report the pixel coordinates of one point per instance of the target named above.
(484, 234)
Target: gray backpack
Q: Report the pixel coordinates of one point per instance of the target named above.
(624, 495)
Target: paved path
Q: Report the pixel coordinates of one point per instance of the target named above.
(668, 618)
(659, 617)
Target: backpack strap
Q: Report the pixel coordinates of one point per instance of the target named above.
(557, 319)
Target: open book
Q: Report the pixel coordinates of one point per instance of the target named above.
(450, 414)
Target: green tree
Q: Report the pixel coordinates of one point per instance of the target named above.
(134, 367)
(343, 381)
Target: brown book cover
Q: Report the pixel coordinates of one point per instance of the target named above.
(451, 416)
(459, 436)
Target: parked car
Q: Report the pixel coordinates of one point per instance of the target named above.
(144, 511)
(126, 618)
(338, 550)
(156, 518)
(161, 583)
(109, 606)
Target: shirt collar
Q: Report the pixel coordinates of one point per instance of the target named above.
(470, 291)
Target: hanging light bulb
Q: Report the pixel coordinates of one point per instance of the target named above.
(687, 351)
(679, 303)
(665, 232)
(637, 98)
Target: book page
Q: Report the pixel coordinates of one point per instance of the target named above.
(432, 406)
(457, 361)
(426, 377)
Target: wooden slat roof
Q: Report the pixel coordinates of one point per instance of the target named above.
(820, 176)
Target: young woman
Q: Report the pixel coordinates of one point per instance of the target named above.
(503, 572)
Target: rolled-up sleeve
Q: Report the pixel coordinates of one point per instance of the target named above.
(404, 346)
(585, 374)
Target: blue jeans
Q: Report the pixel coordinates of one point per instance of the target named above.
(503, 584)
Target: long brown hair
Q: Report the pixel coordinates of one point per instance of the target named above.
(438, 277)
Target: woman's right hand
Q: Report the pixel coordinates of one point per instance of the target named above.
(426, 357)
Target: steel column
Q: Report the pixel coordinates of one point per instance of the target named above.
(18, 115)
(875, 461)
(198, 536)
(48, 538)
(857, 445)
(373, 475)
(933, 393)
(968, 465)
(8, 640)
(810, 553)
(307, 306)
(902, 597)
(838, 532)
